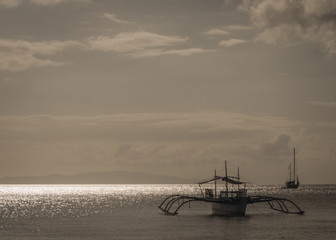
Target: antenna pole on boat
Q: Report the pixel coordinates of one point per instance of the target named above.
(238, 179)
(290, 172)
(294, 165)
(226, 183)
(215, 185)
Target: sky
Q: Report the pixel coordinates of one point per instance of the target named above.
(168, 87)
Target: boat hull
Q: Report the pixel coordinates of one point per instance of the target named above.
(292, 184)
(229, 208)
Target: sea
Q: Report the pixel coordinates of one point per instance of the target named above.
(131, 212)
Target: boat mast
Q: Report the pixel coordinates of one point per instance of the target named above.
(290, 172)
(226, 183)
(215, 185)
(238, 179)
(294, 166)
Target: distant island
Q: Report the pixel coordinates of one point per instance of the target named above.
(117, 177)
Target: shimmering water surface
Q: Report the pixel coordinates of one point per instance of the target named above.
(130, 212)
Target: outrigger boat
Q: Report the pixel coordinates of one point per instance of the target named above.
(291, 183)
(230, 201)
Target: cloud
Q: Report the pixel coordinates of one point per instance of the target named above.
(137, 140)
(293, 22)
(142, 44)
(54, 2)
(38, 48)
(224, 30)
(18, 55)
(278, 147)
(10, 3)
(114, 18)
(133, 41)
(232, 42)
(178, 52)
(16, 3)
(144, 126)
(238, 27)
(323, 104)
(216, 32)
(187, 144)
(22, 61)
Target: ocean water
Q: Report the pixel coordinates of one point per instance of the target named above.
(131, 212)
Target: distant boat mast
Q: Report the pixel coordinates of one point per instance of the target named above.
(226, 183)
(295, 182)
(294, 165)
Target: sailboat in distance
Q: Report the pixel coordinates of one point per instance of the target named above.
(295, 182)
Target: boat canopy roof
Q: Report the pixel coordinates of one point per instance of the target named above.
(225, 179)
(215, 178)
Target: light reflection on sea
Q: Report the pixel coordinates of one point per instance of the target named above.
(31, 201)
(130, 212)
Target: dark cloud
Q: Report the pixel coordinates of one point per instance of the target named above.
(280, 146)
(293, 22)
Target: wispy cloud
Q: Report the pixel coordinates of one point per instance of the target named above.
(133, 41)
(144, 126)
(42, 48)
(54, 2)
(216, 32)
(173, 140)
(10, 3)
(18, 55)
(232, 42)
(179, 52)
(16, 3)
(238, 27)
(142, 44)
(323, 104)
(140, 139)
(226, 30)
(114, 18)
(292, 22)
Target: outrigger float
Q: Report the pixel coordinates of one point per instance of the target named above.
(229, 202)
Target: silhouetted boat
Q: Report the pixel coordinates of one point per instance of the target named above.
(230, 201)
(295, 182)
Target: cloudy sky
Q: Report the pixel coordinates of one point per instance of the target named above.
(168, 87)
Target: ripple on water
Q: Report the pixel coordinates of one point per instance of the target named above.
(36, 201)
(51, 201)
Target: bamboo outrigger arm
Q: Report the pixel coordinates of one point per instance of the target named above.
(172, 204)
(278, 204)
